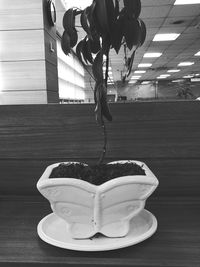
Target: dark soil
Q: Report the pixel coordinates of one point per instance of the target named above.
(96, 174)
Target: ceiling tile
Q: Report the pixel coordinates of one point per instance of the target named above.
(161, 16)
(184, 10)
(156, 2)
(155, 11)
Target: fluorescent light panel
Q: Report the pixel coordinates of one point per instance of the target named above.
(185, 63)
(165, 75)
(197, 54)
(165, 37)
(186, 2)
(144, 65)
(152, 55)
(132, 82)
(195, 80)
(171, 71)
(140, 71)
(187, 76)
(161, 77)
(177, 81)
(135, 77)
(145, 82)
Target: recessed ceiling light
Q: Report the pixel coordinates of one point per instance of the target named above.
(195, 80)
(177, 81)
(166, 37)
(186, 2)
(145, 82)
(131, 82)
(185, 63)
(173, 70)
(135, 77)
(197, 54)
(165, 75)
(144, 65)
(152, 54)
(140, 71)
(187, 76)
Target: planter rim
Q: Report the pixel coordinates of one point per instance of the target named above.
(149, 178)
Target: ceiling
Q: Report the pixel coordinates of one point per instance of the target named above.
(160, 16)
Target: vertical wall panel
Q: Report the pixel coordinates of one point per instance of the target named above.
(22, 75)
(22, 45)
(70, 77)
(25, 54)
(20, 14)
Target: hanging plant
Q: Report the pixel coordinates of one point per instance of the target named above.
(107, 25)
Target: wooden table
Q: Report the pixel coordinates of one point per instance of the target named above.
(163, 135)
(175, 244)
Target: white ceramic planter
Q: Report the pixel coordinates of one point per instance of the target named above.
(89, 209)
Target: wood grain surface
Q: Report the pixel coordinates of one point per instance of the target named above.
(164, 135)
(175, 244)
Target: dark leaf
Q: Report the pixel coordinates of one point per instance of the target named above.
(116, 8)
(104, 105)
(95, 45)
(65, 43)
(100, 17)
(69, 20)
(101, 105)
(97, 98)
(131, 32)
(93, 28)
(133, 7)
(85, 22)
(86, 51)
(73, 38)
(79, 52)
(110, 9)
(97, 67)
(117, 34)
(130, 63)
(106, 43)
(143, 32)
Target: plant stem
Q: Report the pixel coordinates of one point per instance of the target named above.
(107, 66)
(103, 127)
(103, 153)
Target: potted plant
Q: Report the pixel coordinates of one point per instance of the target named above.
(106, 197)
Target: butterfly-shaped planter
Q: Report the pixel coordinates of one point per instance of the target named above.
(89, 209)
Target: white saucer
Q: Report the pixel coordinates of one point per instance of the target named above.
(54, 230)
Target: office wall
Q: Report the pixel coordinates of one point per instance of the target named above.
(70, 76)
(28, 67)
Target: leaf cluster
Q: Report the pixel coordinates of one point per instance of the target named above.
(107, 25)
